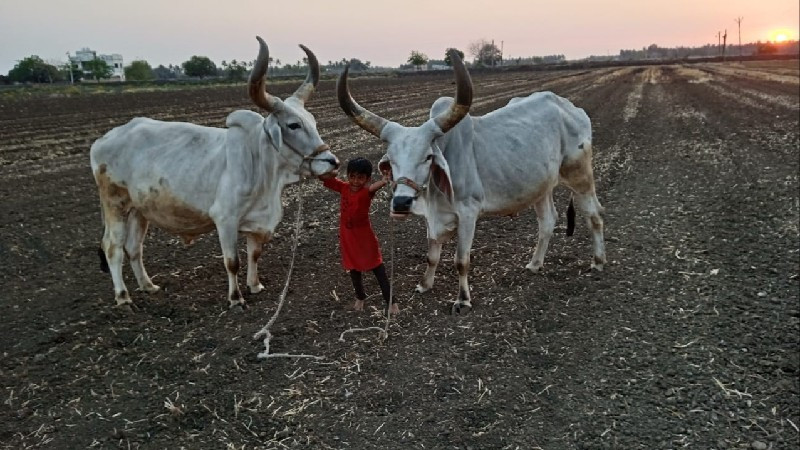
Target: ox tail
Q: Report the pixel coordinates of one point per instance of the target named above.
(103, 260)
(570, 217)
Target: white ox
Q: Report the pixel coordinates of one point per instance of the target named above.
(455, 168)
(189, 179)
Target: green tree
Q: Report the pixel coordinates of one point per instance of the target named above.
(98, 68)
(33, 70)
(235, 70)
(485, 52)
(167, 73)
(199, 66)
(447, 59)
(417, 58)
(139, 70)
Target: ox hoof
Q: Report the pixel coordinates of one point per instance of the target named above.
(123, 300)
(460, 308)
(128, 307)
(237, 306)
(534, 268)
(152, 289)
(256, 289)
(597, 263)
(421, 289)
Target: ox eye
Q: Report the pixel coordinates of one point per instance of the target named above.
(429, 157)
(293, 126)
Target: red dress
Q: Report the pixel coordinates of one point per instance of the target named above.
(357, 241)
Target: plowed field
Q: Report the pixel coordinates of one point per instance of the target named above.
(689, 338)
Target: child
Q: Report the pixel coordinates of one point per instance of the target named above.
(357, 241)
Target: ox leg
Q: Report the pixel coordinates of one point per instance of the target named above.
(589, 205)
(228, 234)
(114, 238)
(466, 233)
(434, 256)
(255, 245)
(546, 216)
(137, 229)
(577, 174)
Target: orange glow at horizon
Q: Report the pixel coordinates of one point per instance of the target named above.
(780, 35)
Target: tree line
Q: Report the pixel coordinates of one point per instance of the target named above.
(35, 70)
(485, 54)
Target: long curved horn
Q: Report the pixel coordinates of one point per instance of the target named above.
(362, 117)
(312, 79)
(257, 85)
(448, 119)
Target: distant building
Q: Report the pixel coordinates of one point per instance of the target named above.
(114, 61)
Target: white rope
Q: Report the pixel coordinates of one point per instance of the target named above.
(391, 278)
(265, 331)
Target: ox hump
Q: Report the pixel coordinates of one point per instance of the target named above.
(244, 118)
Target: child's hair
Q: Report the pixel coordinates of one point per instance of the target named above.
(360, 166)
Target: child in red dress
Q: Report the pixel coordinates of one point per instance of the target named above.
(357, 241)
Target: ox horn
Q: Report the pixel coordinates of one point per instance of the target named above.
(448, 119)
(362, 117)
(257, 85)
(303, 93)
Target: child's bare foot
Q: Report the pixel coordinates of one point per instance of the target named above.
(358, 305)
(394, 309)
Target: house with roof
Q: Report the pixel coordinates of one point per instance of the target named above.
(113, 60)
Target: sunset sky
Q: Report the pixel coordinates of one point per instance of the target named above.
(382, 32)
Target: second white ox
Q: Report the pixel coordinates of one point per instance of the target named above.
(189, 179)
(455, 167)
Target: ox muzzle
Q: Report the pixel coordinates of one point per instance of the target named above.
(401, 204)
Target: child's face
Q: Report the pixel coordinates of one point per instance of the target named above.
(357, 180)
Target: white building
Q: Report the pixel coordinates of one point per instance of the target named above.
(114, 61)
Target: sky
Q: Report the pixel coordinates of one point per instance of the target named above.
(379, 31)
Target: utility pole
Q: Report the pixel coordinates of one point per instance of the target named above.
(69, 67)
(738, 20)
(501, 53)
(719, 40)
(724, 43)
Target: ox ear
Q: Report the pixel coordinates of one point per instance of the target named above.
(440, 174)
(273, 132)
(384, 164)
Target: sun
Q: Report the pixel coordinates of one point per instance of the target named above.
(780, 35)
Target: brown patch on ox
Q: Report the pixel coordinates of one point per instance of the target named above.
(256, 253)
(115, 198)
(577, 172)
(597, 223)
(462, 269)
(232, 264)
(172, 214)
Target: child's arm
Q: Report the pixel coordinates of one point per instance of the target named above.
(330, 182)
(382, 182)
